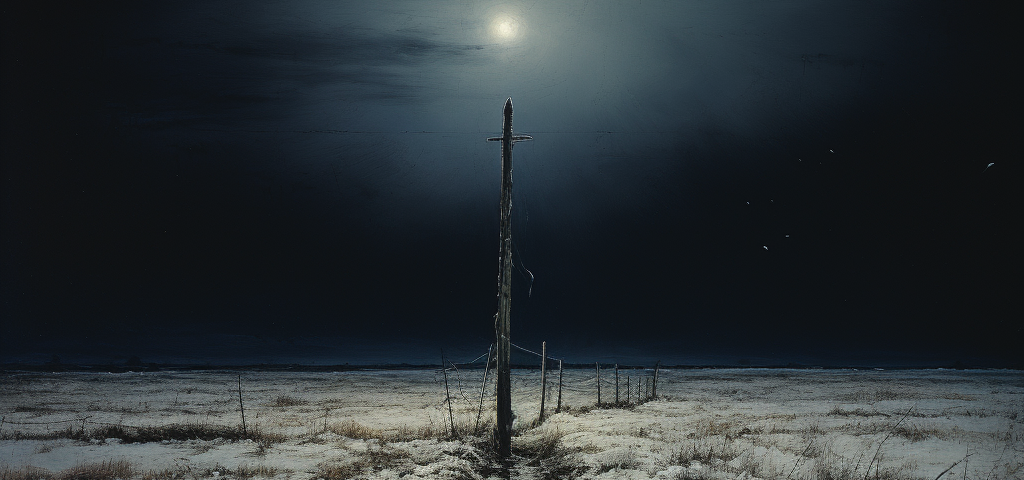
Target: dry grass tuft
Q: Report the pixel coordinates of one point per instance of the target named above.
(357, 431)
(243, 472)
(109, 470)
(286, 401)
(25, 473)
(705, 451)
(247, 471)
(878, 395)
(177, 431)
(626, 460)
(546, 456)
(338, 472)
(916, 433)
(374, 459)
(576, 411)
(837, 411)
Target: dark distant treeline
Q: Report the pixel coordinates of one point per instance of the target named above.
(270, 367)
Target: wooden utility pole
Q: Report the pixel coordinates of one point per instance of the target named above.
(502, 319)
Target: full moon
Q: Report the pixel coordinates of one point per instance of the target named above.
(505, 28)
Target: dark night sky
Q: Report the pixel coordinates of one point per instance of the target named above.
(309, 181)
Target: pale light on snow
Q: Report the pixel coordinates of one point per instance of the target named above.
(708, 423)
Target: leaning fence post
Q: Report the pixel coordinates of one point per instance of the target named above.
(616, 384)
(654, 390)
(597, 365)
(447, 395)
(627, 388)
(483, 385)
(245, 433)
(559, 407)
(543, 375)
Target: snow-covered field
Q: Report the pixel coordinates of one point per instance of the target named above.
(742, 423)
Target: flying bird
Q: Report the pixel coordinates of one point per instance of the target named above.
(986, 167)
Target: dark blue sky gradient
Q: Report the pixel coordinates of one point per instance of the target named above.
(265, 180)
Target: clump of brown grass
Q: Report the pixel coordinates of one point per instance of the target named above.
(576, 411)
(247, 471)
(243, 472)
(24, 473)
(624, 460)
(545, 455)
(374, 459)
(406, 433)
(712, 428)
(286, 401)
(837, 411)
(338, 472)
(830, 465)
(108, 470)
(151, 434)
(357, 431)
(705, 451)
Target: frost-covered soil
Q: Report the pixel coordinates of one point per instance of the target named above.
(745, 423)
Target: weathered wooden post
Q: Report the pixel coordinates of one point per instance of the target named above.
(627, 388)
(502, 319)
(559, 407)
(543, 375)
(654, 390)
(447, 395)
(597, 365)
(245, 432)
(483, 386)
(616, 384)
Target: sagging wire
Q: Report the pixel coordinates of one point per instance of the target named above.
(458, 373)
(515, 246)
(531, 351)
(529, 292)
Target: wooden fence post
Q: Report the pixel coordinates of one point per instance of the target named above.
(654, 391)
(627, 388)
(597, 365)
(483, 386)
(543, 375)
(559, 407)
(245, 433)
(638, 380)
(447, 395)
(616, 384)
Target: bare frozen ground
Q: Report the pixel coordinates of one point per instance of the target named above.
(707, 424)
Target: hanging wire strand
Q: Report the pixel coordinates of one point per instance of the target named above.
(531, 351)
